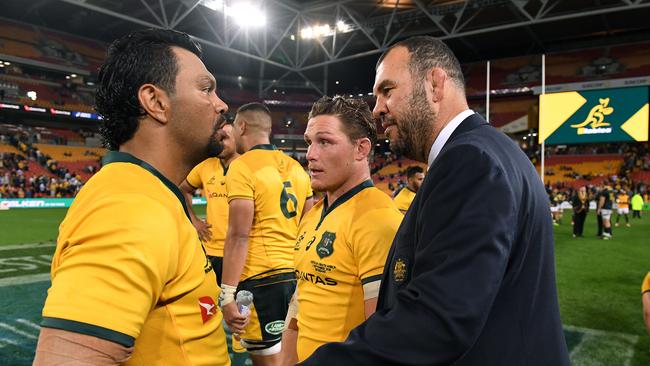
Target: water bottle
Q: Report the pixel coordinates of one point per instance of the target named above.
(244, 300)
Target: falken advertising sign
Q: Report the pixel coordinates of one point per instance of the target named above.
(605, 115)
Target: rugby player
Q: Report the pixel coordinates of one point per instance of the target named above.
(405, 195)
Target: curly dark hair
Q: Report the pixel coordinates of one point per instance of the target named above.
(354, 114)
(141, 57)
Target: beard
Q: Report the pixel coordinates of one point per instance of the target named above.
(215, 144)
(415, 127)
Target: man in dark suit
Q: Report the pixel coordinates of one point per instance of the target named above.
(470, 278)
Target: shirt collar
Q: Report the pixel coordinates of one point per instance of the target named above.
(442, 138)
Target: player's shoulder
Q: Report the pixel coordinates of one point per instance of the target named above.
(373, 199)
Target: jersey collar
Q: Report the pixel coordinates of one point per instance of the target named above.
(341, 200)
(264, 147)
(122, 157)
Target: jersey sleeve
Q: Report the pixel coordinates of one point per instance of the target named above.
(401, 201)
(645, 287)
(239, 181)
(371, 241)
(109, 270)
(194, 178)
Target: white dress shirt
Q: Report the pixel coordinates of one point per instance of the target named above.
(442, 138)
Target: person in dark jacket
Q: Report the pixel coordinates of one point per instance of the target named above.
(470, 278)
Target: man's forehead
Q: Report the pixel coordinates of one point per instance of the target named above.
(188, 61)
(322, 124)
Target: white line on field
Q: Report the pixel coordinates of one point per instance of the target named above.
(7, 341)
(21, 280)
(589, 334)
(29, 323)
(631, 337)
(27, 246)
(17, 331)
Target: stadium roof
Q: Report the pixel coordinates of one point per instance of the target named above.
(284, 53)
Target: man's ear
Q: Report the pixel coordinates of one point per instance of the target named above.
(363, 149)
(155, 102)
(243, 126)
(436, 80)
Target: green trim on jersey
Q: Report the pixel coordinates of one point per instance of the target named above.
(371, 279)
(264, 147)
(122, 157)
(341, 200)
(89, 329)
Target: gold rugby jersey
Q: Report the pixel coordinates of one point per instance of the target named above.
(129, 268)
(403, 198)
(210, 176)
(646, 283)
(279, 187)
(340, 248)
(623, 201)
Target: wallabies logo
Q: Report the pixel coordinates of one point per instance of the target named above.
(325, 246)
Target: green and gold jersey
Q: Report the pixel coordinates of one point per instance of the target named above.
(340, 248)
(210, 176)
(645, 286)
(129, 268)
(403, 198)
(279, 187)
(623, 201)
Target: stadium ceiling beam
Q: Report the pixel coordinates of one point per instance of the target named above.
(434, 18)
(390, 23)
(99, 9)
(360, 26)
(176, 21)
(520, 24)
(153, 13)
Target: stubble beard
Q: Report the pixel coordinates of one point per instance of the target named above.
(415, 127)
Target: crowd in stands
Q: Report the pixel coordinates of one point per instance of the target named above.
(46, 178)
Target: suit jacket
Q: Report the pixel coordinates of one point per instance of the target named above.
(470, 278)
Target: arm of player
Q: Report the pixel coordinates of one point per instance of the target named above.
(202, 227)
(646, 310)
(289, 356)
(59, 347)
(370, 293)
(240, 221)
(601, 202)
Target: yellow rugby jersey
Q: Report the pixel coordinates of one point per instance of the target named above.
(129, 268)
(210, 176)
(645, 287)
(340, 248)
(622, 201)
(279, 186)
(403, 198)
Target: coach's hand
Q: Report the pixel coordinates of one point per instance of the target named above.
(235, 320)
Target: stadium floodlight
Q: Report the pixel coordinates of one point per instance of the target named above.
(246, 15)
(31, 95)
(213, 4)
(342, 27)
(243, 13)
(325, 30)
(7, 63)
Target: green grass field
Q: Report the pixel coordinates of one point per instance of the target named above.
(598, 281)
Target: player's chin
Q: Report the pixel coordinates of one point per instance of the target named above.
(318, 185)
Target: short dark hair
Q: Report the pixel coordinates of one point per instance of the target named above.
(254, 107)
(141, 57)
(413, 170)
(426, 52)
(354, 114)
